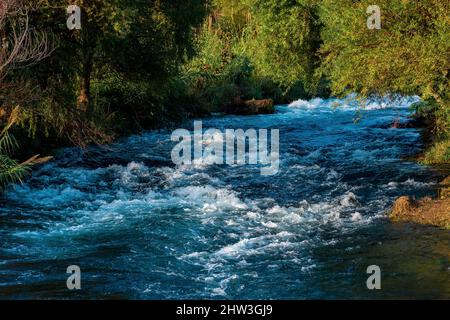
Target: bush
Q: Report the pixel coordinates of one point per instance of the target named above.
(438, 153)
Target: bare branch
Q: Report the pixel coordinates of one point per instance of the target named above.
(21, 45)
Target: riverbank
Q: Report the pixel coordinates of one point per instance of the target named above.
(426, 210)
(430, 211)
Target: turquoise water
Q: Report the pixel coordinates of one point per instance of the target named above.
(140, 227)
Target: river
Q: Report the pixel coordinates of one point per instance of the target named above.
(140, 227)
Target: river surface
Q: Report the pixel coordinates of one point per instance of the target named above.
(140, 227)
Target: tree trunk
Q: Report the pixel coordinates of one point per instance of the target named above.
(83, 101)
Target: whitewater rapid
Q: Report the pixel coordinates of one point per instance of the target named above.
(140, 227)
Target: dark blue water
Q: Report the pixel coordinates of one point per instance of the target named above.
(141, 228)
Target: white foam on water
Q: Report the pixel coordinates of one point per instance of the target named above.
(210, 198)
(270, 224)
(311, 104)
(349, 200)
(349, 103)
(256, 245)
(356, 216)
(392, 185)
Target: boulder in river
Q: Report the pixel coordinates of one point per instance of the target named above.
(424, 211)
(402, 206)
(250, 107)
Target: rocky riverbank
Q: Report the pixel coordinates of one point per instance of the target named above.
(426, 210)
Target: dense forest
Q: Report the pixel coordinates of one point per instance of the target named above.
(142, 64)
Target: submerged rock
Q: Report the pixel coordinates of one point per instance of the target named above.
(426, 210)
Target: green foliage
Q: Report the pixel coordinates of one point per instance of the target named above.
(254, 49)
(113, 76)
(11, 170)
(134, 105)
(438, 152)
(438, 136)
(282, 39)
(408, 55)
(216, 75)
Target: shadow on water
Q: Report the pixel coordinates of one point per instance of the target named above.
(414, 262)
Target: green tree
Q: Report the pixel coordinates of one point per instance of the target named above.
(20, 46)
(120, 65)
(282, 40)
(409, 55)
